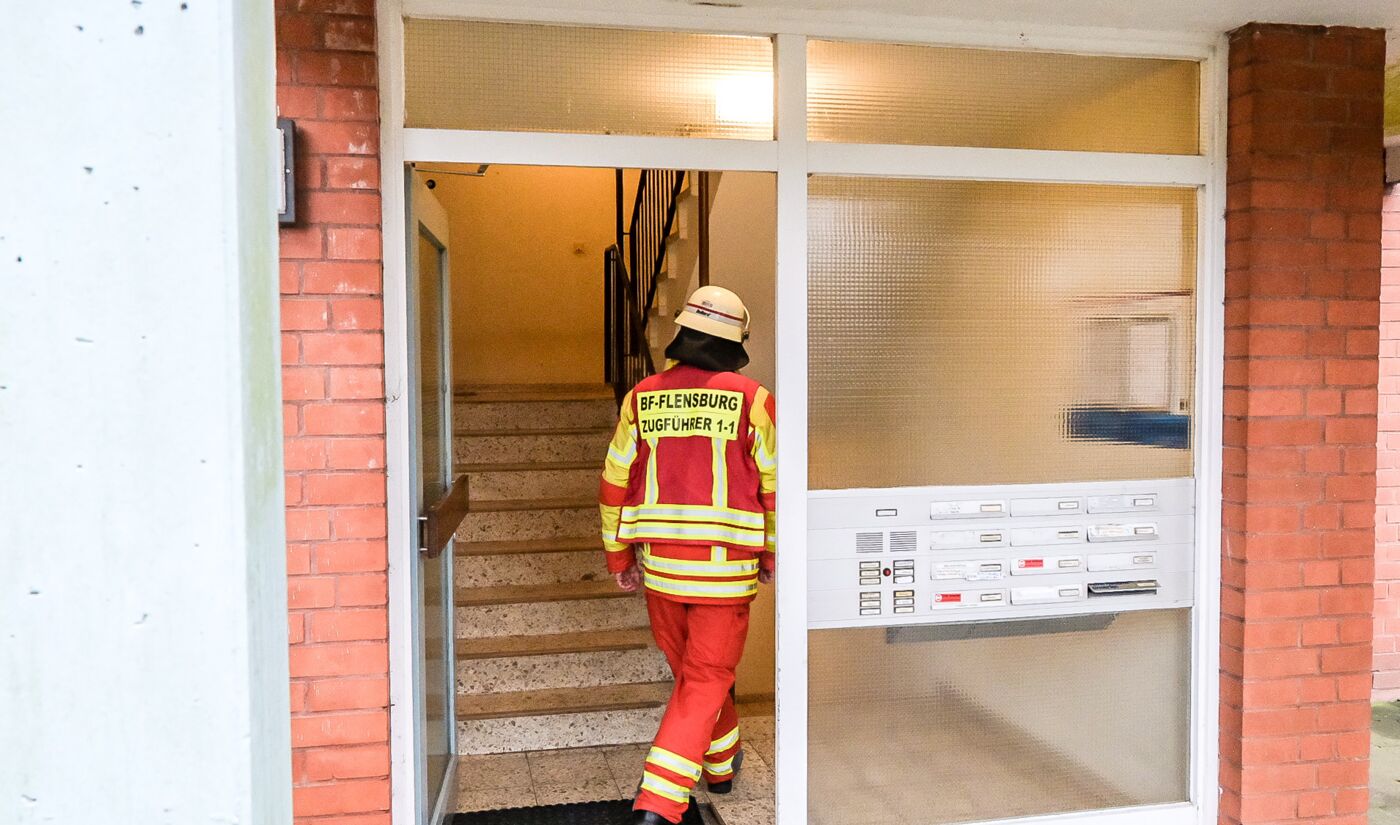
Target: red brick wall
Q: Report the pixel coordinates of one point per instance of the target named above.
(1302, 309)
(1387, 619)
(332, 383)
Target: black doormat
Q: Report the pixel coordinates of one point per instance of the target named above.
(614, 812)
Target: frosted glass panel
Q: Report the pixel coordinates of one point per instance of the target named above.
(936, 96)
(515, 77)
(971, 332)
(957, 723)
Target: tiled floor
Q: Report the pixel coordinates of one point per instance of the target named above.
(1385, 763)
(586, 774)
(515, 780)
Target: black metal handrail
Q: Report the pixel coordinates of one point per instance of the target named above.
(627, 353)
(632, 269)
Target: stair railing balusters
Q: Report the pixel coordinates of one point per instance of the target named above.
(632, 272)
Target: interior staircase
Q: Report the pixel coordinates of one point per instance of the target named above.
(550, 653)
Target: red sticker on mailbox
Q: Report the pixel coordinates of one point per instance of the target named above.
(947, 597)
(1024, 563)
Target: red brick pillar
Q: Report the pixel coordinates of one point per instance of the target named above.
(1302, 308)
(1387, 619)
(332, 383)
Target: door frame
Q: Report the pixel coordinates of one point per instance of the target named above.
(792, 159)
(432, 222)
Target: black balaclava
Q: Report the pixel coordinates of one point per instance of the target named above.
(707, 351)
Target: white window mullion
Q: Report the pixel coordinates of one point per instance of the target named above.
(1040, 165)
(1206, 426)
(791, 116)
(599, 151)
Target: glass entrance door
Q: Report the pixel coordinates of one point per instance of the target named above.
(437, 500)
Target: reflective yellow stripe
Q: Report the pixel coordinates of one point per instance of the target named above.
(765, 459)
(707, 533)
(691, 567)
(720, 473)
(693, 512)
(720, 768)
(713, 590)
(624, 459)
(725, 741)
(661, 786)
(716, 560)
(653, 492)
(673, 762)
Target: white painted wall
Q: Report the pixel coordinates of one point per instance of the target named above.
(743, 257)
(143, 661)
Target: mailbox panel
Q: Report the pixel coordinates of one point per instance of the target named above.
(1033, 544)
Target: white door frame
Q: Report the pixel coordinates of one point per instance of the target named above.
(792, 159)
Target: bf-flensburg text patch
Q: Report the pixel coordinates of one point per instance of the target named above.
(683, 413)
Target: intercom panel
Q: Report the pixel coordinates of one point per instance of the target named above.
(958, 554)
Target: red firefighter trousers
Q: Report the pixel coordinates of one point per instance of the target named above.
(699, 733)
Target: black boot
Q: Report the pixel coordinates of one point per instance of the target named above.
(728, 785)
(644, 817)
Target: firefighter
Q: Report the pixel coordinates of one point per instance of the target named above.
(687, 501)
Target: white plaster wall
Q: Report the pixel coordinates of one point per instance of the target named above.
(743, 257)
(143, 662)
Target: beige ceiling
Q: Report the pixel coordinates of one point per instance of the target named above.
(1157, 15)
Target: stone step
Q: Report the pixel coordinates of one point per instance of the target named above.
(510, 505)
(560, 730)
(594, 668)
(573, 615)
(530, 568)
(532, 392)
(565, 444)
(502, 413)
(508, 522)
(490, 482)
(517, 704)
(632, 638)
(547, 545)
(537, 593)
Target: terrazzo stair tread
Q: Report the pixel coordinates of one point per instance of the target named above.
(507, 416)
(525, 393)
(542, 431)
(526, 618)
(594, 668)
(501, 548)
(533, 445)
(521, 524)
(562, 700)
(535, 593)
(528, 466)
(560, 730)
(514, 505)
(589, 641)
(529, 568)
(578, 480)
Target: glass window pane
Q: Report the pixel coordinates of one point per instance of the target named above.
(958, 723)
(1392, 101)
(434, 459)
(432, 401)
(938, 96)
(973, 332)
(515, 77)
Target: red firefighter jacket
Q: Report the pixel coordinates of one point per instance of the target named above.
(690, 479)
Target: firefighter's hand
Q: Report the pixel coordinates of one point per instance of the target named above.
(629, 579)
(765, 576)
